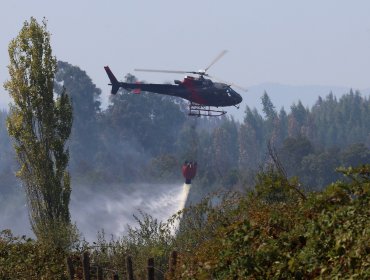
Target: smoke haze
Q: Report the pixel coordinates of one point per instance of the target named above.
(94, 211)
(13, 213)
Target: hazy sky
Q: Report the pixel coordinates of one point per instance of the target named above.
(288, 42)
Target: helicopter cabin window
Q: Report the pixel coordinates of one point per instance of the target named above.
(228, 92)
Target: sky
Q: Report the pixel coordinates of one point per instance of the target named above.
(290, 42)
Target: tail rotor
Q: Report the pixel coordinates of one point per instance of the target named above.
(114, 82)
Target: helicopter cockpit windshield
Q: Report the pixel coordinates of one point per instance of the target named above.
(219, 85)
(207, 82)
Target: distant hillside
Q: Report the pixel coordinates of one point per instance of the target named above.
(285, 95)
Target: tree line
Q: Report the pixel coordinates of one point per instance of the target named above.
(147, 137)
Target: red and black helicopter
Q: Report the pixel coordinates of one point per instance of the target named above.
(202, 93)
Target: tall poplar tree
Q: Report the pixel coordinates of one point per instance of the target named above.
(40, 125)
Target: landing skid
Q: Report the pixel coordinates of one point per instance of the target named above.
(201, 110)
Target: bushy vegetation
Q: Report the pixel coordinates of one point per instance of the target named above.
(273, 232)
(24, 258)
(277, 234)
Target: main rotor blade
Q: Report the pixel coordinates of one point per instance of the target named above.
(216, 59)
(230, 84)
(239, 87)
(162, 71)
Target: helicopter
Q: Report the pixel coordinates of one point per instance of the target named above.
(204, 95)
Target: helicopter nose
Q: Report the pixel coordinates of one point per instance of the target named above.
(238, 98)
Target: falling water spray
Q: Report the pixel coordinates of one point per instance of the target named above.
(184, 196)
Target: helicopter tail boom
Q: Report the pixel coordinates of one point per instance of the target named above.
(114, 82)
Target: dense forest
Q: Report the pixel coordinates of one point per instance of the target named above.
(146, 138)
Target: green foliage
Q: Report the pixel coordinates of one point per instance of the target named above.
(40, 127)
(150, 238)
(22, 258)
(272, 186)
(292, 152)
(325, 236)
